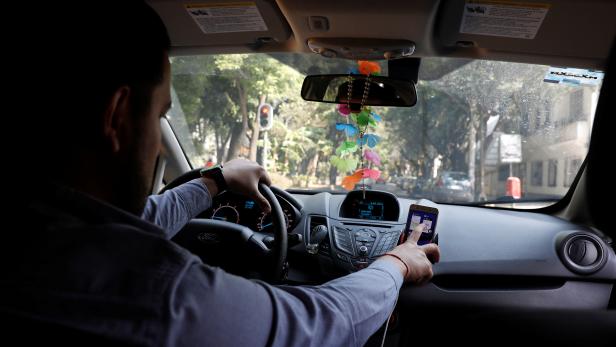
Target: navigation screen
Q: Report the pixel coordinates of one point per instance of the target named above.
(370, 205)
(370, 209)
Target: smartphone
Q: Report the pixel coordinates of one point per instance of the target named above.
(419, 214)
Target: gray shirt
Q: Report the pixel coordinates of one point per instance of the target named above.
(342, 312)
(94, 268)
(175, 207)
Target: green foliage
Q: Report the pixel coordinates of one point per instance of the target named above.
(220, 93)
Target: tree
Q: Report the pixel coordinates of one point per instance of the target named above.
(435, 127)
(200, 91)
(232, 86)
(491, 88)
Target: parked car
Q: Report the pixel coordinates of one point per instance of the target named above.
(422, 188)
(452, 186)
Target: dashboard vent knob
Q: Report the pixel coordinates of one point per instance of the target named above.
(582, 253)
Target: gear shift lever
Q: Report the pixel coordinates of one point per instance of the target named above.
(317, 234)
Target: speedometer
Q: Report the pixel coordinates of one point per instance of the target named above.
(265, 220)
(227, 213)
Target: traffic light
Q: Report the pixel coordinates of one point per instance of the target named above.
(266, 119)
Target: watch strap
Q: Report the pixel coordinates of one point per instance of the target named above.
(215, 173)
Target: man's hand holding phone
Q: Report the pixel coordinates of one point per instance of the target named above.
(415, 261)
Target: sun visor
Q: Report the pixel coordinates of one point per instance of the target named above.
(510, 28)
(221, 23)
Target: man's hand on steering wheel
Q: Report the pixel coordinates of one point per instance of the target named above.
(249, 179)
(243, 176)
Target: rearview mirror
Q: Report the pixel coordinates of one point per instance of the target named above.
(382, 91)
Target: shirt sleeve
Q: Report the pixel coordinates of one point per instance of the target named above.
(212, 307)
(173, 209)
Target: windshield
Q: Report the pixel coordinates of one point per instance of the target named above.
(481, 131)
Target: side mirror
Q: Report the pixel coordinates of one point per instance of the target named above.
(382, 91)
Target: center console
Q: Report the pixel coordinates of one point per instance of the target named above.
(356, 246)
(367, 226)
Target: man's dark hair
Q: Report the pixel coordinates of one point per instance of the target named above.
(90, 50)
(127, 47)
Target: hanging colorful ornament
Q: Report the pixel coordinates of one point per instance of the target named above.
(344, 110)
(358, 118)
(346, 147)
(376, 117)
(363, 118)
(343, 164)
(373, 157)
(370, 173)
(368, 139)
(349, 129)
(368, 67)
(350, 181)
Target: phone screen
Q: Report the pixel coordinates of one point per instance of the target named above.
(421, 214)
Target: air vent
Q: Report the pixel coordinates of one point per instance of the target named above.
(582, 253)
(342, 239)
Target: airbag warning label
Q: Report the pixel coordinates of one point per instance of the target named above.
(215, 18)
(520, 20)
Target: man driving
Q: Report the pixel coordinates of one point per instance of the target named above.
(84, 261)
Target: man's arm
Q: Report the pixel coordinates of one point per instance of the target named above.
(209, 306)
(173, 209)
(212, 307)
(176, 207)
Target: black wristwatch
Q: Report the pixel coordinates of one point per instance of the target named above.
(215, 173)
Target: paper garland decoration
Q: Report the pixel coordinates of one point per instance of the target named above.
(355, 127)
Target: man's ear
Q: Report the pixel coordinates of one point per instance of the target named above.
(116, 116)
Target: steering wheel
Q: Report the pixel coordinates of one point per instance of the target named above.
(216, 231)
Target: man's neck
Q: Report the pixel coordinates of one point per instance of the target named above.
(94, 181)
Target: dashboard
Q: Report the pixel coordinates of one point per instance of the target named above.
(489, 257)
